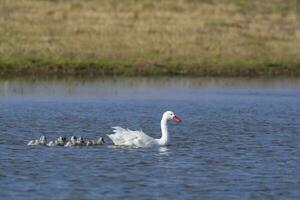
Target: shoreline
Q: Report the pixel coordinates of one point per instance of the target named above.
(40, 67)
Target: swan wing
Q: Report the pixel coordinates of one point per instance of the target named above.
(128, 137)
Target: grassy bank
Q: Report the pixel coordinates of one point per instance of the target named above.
(171, 37)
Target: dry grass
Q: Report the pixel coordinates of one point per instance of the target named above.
(207, 37)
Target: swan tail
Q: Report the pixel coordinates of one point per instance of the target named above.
(117, 137)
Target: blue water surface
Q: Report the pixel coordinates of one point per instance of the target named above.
(239, 139)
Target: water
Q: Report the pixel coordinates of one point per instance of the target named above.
(239, 139)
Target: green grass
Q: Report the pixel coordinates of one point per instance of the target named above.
(149, 38)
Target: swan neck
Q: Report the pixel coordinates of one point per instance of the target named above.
(164, 140)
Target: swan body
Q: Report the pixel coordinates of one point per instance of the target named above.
(52, 143)
(61, 141)
(71, 142)
(100, 141)
(80, 141)
(33, 142)
(126, 137)
(41, 141)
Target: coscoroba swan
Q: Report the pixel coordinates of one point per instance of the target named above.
(100, 141)
(126, 137)
(72, 142)
(61, 141)
(41, 141)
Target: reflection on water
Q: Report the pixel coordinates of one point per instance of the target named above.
(164, 151)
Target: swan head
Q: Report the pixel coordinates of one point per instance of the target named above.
(61, 140)
(73, 139)
(169, 115)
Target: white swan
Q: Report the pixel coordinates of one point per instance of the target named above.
(126, 137)
(80, 142)
(41, 141)
(72, 141)
(95, 142)
(61, 141)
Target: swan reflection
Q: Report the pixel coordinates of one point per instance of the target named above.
(164, 151)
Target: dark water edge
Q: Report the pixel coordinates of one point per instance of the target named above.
(239, 138)
(96, 68)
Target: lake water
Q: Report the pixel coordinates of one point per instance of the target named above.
(239, 139)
